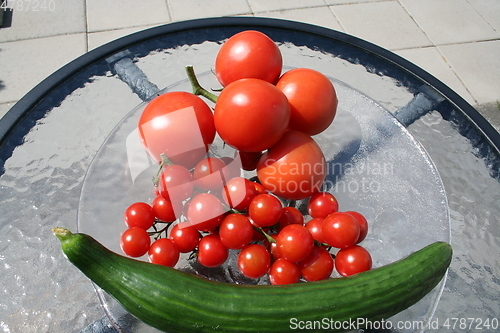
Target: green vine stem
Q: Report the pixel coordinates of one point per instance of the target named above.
(265, 234)
(164, 161)
(197, 88)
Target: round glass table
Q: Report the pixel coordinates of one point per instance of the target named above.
(416, 158)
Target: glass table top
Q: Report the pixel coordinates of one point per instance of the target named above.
(49, 139)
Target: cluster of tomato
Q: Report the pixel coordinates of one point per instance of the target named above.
(203, 204)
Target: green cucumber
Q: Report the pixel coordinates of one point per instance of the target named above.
(175, 301)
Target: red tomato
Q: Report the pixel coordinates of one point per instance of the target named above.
(315, 228)
(363, 225)
(322, 204)
(290, 215)
(238, 193)
(205, 212)
(186, 238)
(294, 242)
(294, 168)
(163, 209)
(318, 265)
(248, 159)
(135, 242)
(164, 252)
(139, 214)
(210, 174)
(236, 231)
(211, 251)
(251, 115)
(175, 183)
(340, 230)
(353, 260)
(248, 54)
(265, 210)
(312, 98)
(254, 261)
(178, 124)
(284, 272)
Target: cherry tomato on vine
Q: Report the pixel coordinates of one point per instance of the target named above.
(312, 98)
(186, 238)
(322, 204)
(210, 174)
(284, 272)
(315, 228)
(236, 231)
(290, 215)
(318, 265)
(175, 183)
(294, 242)
(249, 159)
(340, 230)
(139, 214)
(254, 261)
(135, 242)
(164, 209)
(294, 168)
(248, 54)
(178, 124)
(238, 193)
(265, 210)
(164, 251)
(211, 251)
(205, 212)
(363, 225)
(353, 260)
(251, 115)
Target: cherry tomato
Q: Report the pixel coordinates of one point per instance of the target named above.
(139, 214)
(186, 238)
(353, 260)
(363, 225)
(210, 174)
(163, 209)
(236, 231)
(254, 261)
(165, 252)
(318, 265)
(340, 230)
(135, 242)
(322, 204)
(312, 98)
(290, 215)
(211, 251)
(238, 193)
(294, 168)
(251, 115)
(233, 166)
(284, 272)
(272, 247)
(175, 183)
(294, 242)
(259, 188)
(178, 124)
(205, 212)
(249, 159)
(315, 228)
(265, 210)
(248, 54)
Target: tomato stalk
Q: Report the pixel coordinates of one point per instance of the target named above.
(265, 234)
(157, 233)
(197, 88)
(164, 161)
